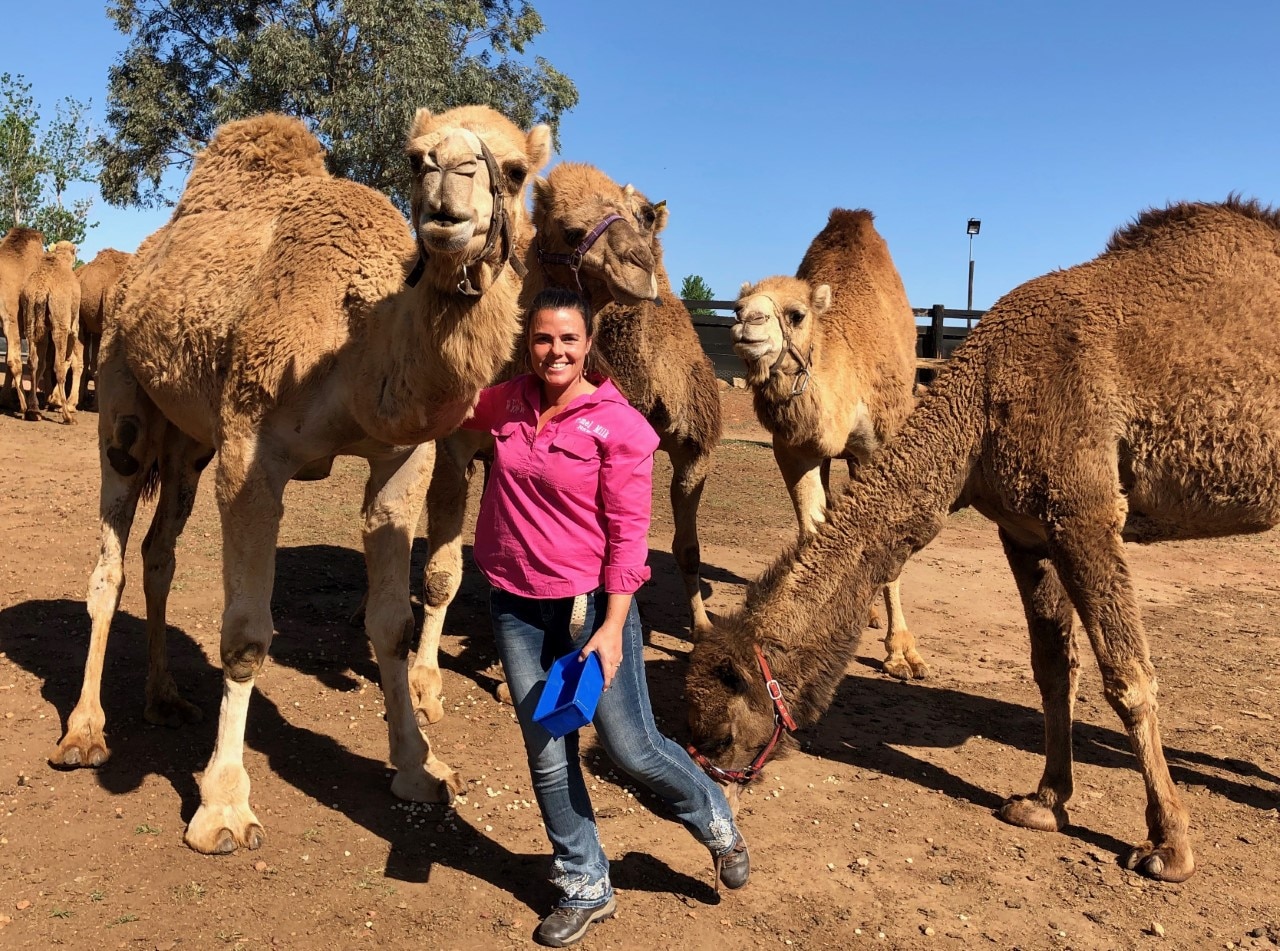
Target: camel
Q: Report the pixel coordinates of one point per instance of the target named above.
(831, 360)
(278, 320)
(98, 280)
(49, 313)
(675, 388)
(21, 249)
(1135, 397)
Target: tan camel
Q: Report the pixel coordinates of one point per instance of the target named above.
(49, 317)
(21, 249)
(675, 388)
(98, 281)
(830, 357)
(1134, 397)
(276, 320)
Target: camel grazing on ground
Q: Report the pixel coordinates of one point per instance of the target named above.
(1134, 397)
(97, 284)
(21, 250)
(49, 314)
(831, 361)
(675, 388)
(279, 320)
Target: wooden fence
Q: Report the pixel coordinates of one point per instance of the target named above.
(939, 330)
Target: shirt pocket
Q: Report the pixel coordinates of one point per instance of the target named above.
(511, 450)
(573, 463)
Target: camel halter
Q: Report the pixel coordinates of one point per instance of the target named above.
(500, 226)
(803, 375)
(573, 260)
(782, 723)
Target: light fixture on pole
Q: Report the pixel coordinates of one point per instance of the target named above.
(971, 229)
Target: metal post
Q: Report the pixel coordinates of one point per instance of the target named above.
(970, 304)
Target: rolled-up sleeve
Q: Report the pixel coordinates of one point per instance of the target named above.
(626, 490)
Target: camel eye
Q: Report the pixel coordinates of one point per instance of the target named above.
(796, 317)
(648, 215)
(516, 174)
(574, 236)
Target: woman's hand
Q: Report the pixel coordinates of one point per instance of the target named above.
(607, 640)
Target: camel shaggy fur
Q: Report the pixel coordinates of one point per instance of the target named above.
(98, 281)
(49, 314)
(675, 388)
(1134, 397)
(271, 321)
(830, 357)
(21, 250)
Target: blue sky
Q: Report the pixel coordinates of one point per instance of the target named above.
(1053, 123)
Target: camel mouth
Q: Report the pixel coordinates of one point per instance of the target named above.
(444, 232)
(753, 349)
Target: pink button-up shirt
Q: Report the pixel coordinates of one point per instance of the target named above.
(567, 509)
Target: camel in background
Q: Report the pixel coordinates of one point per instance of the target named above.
(278, 320)
(831, 361)
(49, 317)
(98, 281)
(21, 250)
(1135, 397)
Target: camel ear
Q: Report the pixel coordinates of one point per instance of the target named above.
(538, 146)
(731, 677)
(542, 190)
(662, 213)
(742, 291)
(421, 120)
(821, 299)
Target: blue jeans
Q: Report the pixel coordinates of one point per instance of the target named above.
(531, 634)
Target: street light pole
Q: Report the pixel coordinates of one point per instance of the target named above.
(971, 229)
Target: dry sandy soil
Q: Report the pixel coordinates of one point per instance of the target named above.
(880, 833)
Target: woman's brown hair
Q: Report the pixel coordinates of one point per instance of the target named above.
(595, 367)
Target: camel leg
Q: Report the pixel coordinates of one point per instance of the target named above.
(446, 511)
(1089, 555)
(902, 660)
(249, 500)
(31, 409)
(393, 501)
(60, 362)
(76, 365)
(181, 463)
(129, 432)
(802, 476)
(1056, 666)
(89, 359)
(689, 467)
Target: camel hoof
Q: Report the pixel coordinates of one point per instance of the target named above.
(503, 694)
(1164, 864)
(422, 786)
(73, 754)
(212, 830)
(919, 669)
(428, 712)
(32, 416)
(898, 667)
(1030, 813)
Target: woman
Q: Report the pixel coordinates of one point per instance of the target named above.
(563, 539)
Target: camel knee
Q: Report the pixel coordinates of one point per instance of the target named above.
(1134, 703)
(439, 587)
(243, 662)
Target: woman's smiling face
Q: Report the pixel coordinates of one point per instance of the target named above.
(558, 347)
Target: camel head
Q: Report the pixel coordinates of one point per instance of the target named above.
(730, 714)
(775, 323)
(470, 167)
(621, 263)
(64, 252)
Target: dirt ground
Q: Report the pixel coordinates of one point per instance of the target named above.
(880, 833)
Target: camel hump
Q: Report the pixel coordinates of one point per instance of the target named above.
(247, 155)
(849, 218)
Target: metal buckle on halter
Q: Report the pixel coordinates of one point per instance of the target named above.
(775, 692)
(802, 382)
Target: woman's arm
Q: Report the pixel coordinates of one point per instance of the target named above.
(607, 640)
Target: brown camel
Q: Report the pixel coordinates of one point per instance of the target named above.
(830, 356)
(1134, 397)
(97, 284)
(21, 249)
(675, 388)
(279, 320)
(49, 314)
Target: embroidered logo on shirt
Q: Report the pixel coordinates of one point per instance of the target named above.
(515, 406)
(587, 426)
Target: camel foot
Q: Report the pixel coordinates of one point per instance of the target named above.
(898, 667)
(876, 619)
(502, 693)
(168, 708)
(76, 750)
(220, 830)
(435, 782)
(32, 416)
(425, 690)
(1029, 813)
(1167, 863)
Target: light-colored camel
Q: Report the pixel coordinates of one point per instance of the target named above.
(1134, 397)
(279, 320)
(49, 317)
(98, 281)
(830, 357)
(21, 249)
(656, 360)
